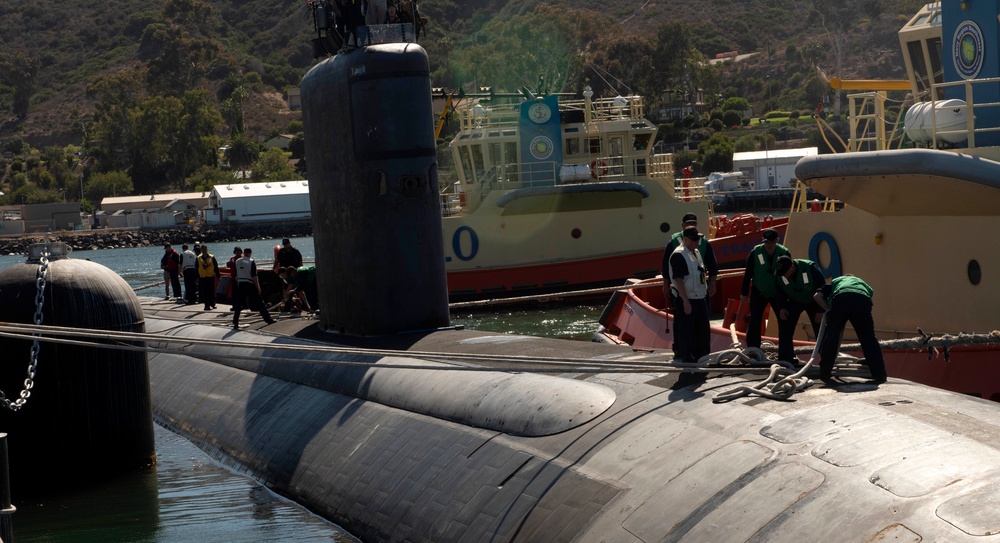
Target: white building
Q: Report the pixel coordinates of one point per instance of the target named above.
(773, 168)
(258, 202)
(155, 202)
(152, 210)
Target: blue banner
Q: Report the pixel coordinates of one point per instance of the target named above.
(541, 141)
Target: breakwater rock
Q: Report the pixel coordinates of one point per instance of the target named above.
(118, 238)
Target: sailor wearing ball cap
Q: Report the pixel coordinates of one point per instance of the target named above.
(689, 292)
(760, 270)
(707, 256)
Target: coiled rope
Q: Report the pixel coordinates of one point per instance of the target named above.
(778, 385)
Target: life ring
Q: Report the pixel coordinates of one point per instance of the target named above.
(598, 169)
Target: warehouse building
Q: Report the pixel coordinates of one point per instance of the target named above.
(258, 202)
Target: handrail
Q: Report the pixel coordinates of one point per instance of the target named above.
(858, 101)
(507, 115)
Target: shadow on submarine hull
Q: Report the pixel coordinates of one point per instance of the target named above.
(858, 463)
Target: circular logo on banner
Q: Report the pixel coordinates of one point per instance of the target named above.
(539, 113)
(541, 147)
(967, 50)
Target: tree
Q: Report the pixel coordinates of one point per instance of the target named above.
(735, 103)
(838, 20)
(103, 185)
(732, 118)
(154, 124)
(206, 177)
(273, 165)
(112, 142)
(19, 70)
(194, 142)
(297, 147)
(177, 61)
(231, 95)
(173, 137)
(242, 152)
(626, 66)
(745, 144)
(716, 153)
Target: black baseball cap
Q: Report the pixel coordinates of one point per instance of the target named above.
(782, 265)
(692, 233)
(770, 234)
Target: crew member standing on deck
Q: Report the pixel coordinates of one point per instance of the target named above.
(189, 262)
(798, 280)
(690, 220)
(689, 289)
(287, 256)
(760, 270)
(248, 289)
(208, 272)
(848, 298)
(170, 263)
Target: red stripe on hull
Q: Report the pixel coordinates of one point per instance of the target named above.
(523, 280)
(731, 252)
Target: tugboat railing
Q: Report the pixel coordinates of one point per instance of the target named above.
(867, 109)
(657, 167)
(499, 116)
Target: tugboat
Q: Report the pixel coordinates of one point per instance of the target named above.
(557, 193)
(918, 203)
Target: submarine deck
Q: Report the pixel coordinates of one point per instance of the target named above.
(388, 455)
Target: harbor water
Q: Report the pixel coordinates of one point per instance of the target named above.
(188, 496)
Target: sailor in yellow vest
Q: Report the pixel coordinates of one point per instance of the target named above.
(208, 272)
(248, 289)
(689, 289)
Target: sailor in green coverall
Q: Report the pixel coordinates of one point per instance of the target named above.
(760, 270)
(797, 280)
(848, 298)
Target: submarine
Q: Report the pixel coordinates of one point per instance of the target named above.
(384, 419)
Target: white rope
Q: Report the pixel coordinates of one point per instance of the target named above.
(778, 385)
(539, 364)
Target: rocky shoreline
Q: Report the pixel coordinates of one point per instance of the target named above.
(118, 238)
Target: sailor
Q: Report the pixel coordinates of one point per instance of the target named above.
(188, 262)
(797, 279)
(760, 271)
(248, 289)
(689, 289)
(287, 256)
(690, 220)
(208, 272)
(848, 298)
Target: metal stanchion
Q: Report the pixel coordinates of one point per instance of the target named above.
(6, 523)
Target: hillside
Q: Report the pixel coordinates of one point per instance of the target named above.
(74, 41)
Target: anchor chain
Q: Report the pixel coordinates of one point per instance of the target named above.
(29, 381)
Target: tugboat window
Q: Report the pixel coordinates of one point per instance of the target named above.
(594, 145)
(573, 146)
(975, 273)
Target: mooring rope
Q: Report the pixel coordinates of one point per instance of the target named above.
(780, 384)
(151, 285)
(570, 293)
(540, 364)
